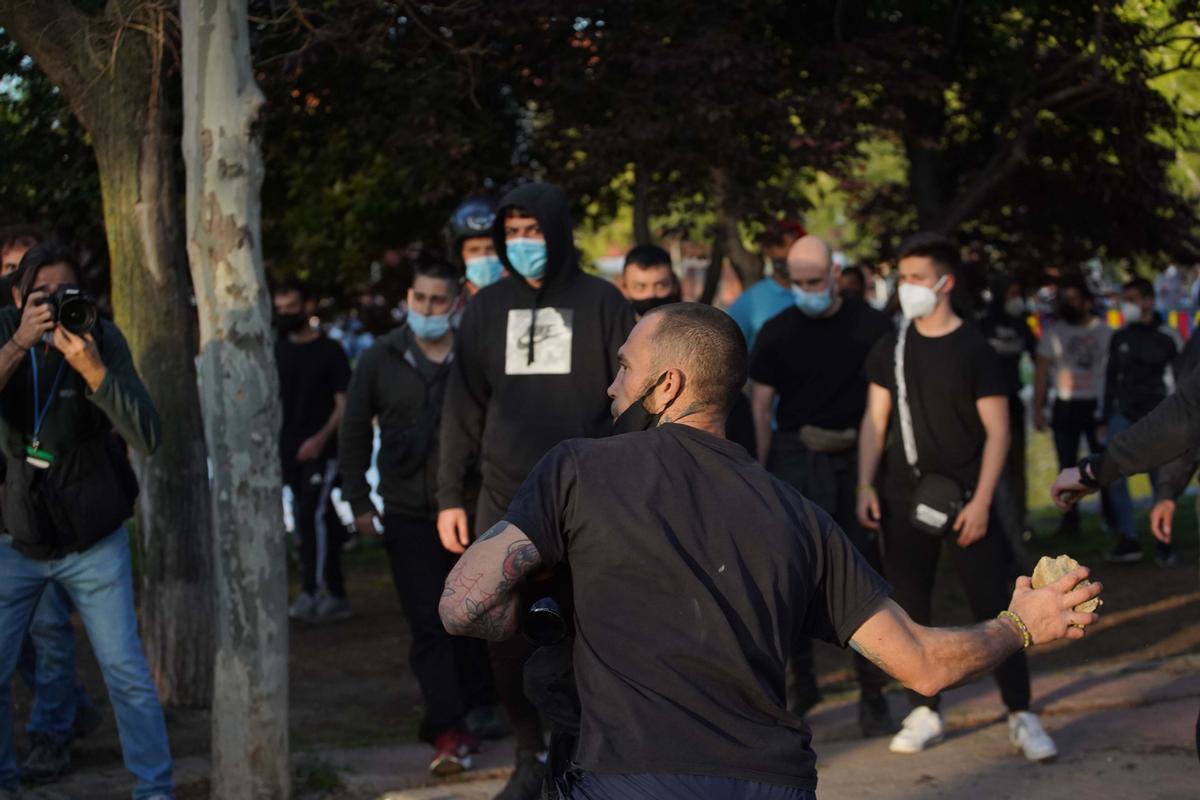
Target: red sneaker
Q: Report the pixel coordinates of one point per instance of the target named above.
(452, 753)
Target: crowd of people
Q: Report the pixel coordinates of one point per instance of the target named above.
(893, 415)
(507, 348)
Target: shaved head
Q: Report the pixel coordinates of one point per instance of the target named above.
(811, 251)
(810, 266)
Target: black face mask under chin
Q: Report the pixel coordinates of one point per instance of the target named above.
(647, 304)
(637, 417)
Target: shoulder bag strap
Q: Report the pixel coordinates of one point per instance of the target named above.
(906, 426)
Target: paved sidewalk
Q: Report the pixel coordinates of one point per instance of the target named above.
(1125, 730)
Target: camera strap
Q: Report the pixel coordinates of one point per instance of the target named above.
(34, 454)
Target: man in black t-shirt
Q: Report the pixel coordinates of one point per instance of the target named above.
(694, 570)
(811, 358)
(313, 376)
(954, 425)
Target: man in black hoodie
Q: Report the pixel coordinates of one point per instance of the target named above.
(535, 355)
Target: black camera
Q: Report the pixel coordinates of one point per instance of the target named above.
(73, 309)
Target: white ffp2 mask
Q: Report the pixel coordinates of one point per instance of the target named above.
(918, 301)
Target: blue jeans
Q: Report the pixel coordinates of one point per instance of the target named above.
(99, 582)
(1122, 502)
(48, 667)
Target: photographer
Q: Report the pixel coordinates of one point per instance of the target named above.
(68, 491)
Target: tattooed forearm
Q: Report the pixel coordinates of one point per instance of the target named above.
(480, 597)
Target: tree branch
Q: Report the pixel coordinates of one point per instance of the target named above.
(53, 33)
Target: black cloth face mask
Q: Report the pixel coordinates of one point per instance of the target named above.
(637, 417)
(647, 304)
(290, 323)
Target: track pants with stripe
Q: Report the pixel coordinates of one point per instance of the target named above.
(320, 531)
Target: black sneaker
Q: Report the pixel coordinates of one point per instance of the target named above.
(875, 716)
(1164, 555)
(48, 760)
(527, 779)
(1127, 551)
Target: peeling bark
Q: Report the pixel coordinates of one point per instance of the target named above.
(239, 397)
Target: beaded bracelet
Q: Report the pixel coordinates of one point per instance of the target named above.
(1026, 637)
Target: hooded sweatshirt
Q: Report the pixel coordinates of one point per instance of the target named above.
(532, 366)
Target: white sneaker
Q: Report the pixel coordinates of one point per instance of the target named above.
(1026, 735)
(330, 608)
(922, 727)
(304, 607)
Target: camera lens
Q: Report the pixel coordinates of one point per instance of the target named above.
(77, 314)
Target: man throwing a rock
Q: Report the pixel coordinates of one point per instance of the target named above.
(694, 571)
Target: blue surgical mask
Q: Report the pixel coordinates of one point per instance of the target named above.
(431, 327)
(528, 257)
(813, 304)
(484, 270)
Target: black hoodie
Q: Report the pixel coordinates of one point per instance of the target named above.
(513, 396)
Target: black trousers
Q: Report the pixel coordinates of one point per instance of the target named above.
(508, 657)
(452, 671)
(910, 560)
(317, 525)
(829, 480)
(1070, 421)
(1010, 500)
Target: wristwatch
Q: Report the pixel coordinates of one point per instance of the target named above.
(1087, 471)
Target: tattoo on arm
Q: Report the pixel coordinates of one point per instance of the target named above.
(480, 596)
(493, 532)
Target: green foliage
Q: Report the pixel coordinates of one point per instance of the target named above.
(1051, 131)
(48, 172)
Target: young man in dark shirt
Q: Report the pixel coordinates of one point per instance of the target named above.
(313, 375)
(811, 358)
(953, 425)
(534, 353)
(694, 571)
(1140, 356)
(401, 381)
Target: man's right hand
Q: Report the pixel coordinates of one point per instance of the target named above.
(1040, 421)
(1161, 517)
(452, 529)
(37, 317)
(867, 507)
(1049, 613)
(365, 524)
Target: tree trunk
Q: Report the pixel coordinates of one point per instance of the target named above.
(748, 267)
(240, 399)
(641, 205)
(924, 127)
(118, 100)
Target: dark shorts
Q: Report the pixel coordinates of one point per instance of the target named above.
(663, 786)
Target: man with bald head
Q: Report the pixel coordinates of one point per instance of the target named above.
(694, 569)
(810, 357)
